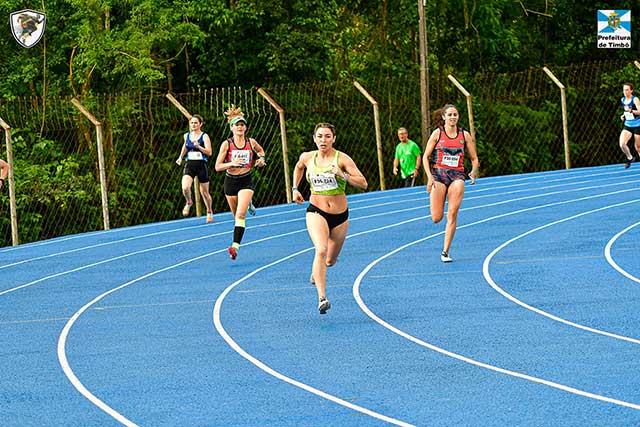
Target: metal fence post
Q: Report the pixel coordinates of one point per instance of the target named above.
(103, 178)
(376, 119)
(283, 138)
(12, 191)
(472, 128)
(565, 121)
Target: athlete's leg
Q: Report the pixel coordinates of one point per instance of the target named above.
(625, 136)
(337, 237)
(206, 197)
(454, 195)
(436, 201)
(187, 182)
(319, 233)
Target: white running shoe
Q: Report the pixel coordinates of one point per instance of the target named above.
(444, 257)
(209, 217)
(251, 209)
(324, 305)
(186, 209)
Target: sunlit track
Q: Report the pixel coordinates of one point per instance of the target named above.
(144, 304)
(299, 219)
(418, 341)
(270, 371)
(609, 257)
(181, 242)
(263, 366)
(494, 285)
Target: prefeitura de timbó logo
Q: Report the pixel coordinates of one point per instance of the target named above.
(614, 29)
(27, 26)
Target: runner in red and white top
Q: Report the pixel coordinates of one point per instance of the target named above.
(445, 179)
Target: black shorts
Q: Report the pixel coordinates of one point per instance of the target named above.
(333, 220)
(197, 168)
(234, 183)
(635, 130)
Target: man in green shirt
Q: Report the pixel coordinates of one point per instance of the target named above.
(408, 158)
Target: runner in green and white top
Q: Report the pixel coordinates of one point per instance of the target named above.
(328, 172)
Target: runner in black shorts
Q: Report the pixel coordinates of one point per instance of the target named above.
(446, 179)
(236, 159)
(196, 150)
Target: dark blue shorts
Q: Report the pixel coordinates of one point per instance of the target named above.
(447, 176)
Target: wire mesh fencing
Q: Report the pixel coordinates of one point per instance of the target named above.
(517, 117)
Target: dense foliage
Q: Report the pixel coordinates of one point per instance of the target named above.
(141, 49)
(104, 46)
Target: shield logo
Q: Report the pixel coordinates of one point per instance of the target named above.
(614, 20)
(27, 26)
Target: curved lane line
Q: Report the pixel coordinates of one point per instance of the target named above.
(368, 312)
(113, 413)
(492, 283)
(609, 258)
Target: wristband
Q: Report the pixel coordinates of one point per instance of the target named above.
(263, 158)
(294, 189)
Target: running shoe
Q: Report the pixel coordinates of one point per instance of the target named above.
(186, 209)
(233, 252)
(444, 257)
(628, 162)
(312, 280)
(209, 217)
(324, 305)
(252, 209)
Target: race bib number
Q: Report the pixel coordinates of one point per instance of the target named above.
(194, 155)
(244, 155)
(323, 181)
(628, 115)
(451, 161)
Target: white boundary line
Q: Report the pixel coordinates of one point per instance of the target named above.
(368, 312)
(609, 257)
(494, 285)
(116, 415)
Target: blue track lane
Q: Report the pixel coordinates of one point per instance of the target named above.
(536, 321)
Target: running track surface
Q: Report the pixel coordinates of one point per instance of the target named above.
(535, 323)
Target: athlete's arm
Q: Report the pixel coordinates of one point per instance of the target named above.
(298, 171)
(351, 172)
(183, 151)
(471, 149)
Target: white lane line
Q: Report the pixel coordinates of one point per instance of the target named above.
(368, 312)
(494, 285)
(574, 173)
(295, 209)
(299, 219)
(62, 339)
(291, 209)
(120, 257)
(116, 415)
(609, 257)
(128, 239)
(263, 366)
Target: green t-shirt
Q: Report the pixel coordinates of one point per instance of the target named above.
(406, 155)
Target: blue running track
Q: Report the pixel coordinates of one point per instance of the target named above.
(535, 323)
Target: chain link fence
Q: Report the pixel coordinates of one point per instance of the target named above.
(517, 118)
